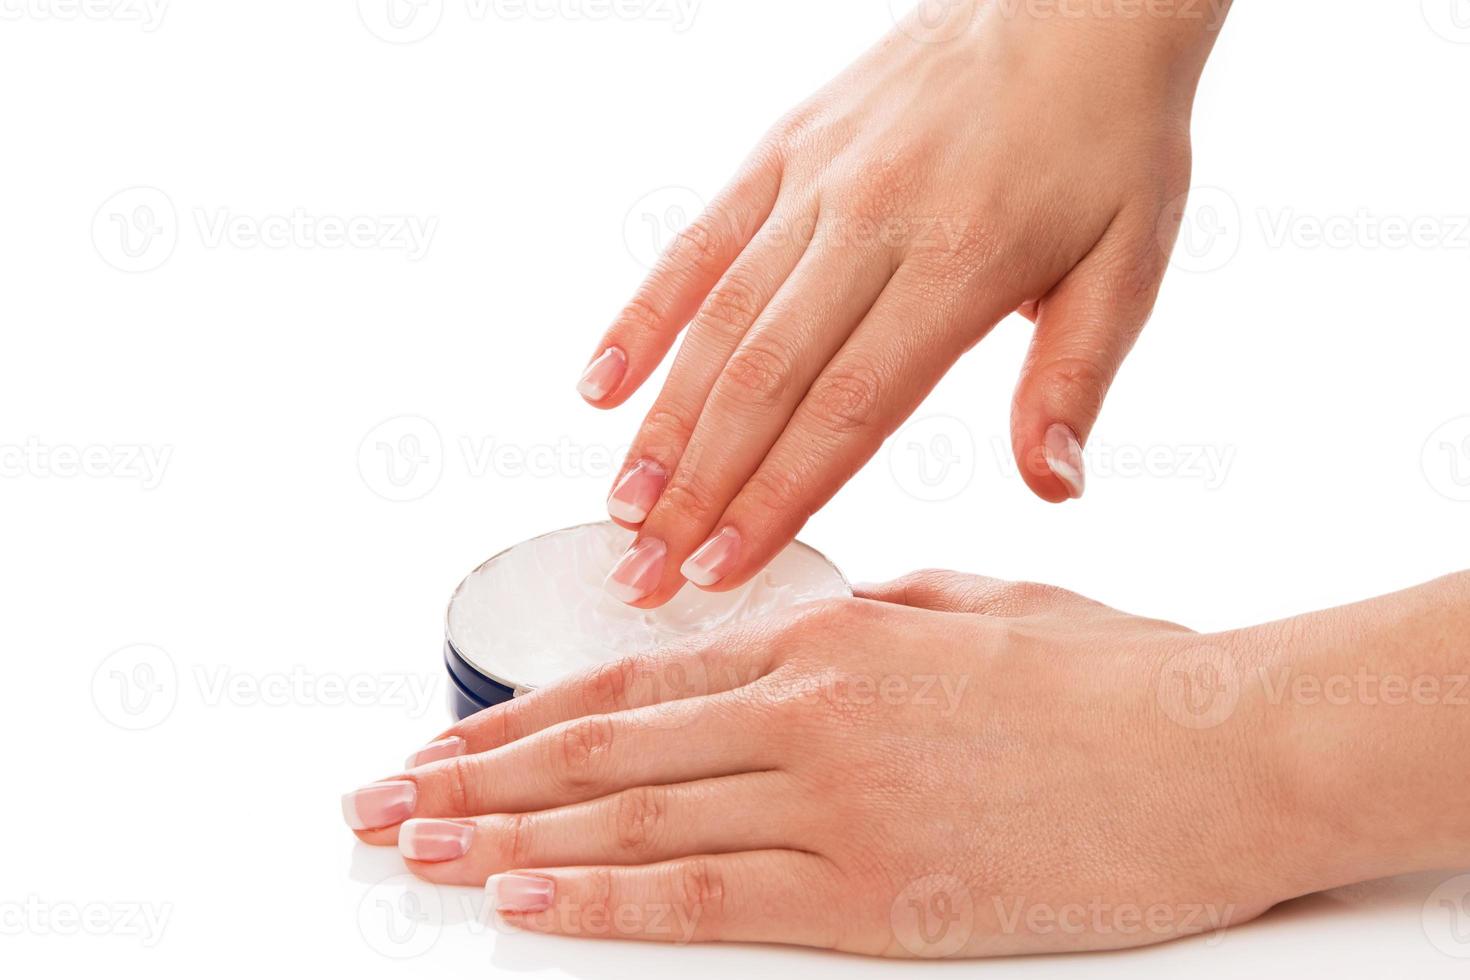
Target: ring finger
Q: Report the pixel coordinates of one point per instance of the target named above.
(644, 825)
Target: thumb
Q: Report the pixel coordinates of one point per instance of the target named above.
(1085, 327)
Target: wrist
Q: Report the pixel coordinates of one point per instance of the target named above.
(1363, 714)
(1160, 46)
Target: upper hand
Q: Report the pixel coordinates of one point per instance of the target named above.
(875, 235)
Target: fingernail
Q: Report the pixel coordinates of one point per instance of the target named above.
(435, 840)
(603, 375)
(637, 492)
(379, 805)
(1064, 457)
(714, 558)
(519, 893)
(445, 748)
(638, 572)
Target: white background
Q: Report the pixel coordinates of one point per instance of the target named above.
(271, 564)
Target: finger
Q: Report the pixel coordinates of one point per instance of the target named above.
(955, 592)
(892, 361)
(806, 325)
(1085, 327)
(742, 294)
(754, 896)
(645, 330)
(709, 663)
(571, 762)
(642, 825)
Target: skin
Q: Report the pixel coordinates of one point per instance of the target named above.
(998, 161)
(1030, 770)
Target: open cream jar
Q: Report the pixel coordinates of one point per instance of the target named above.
(538, 611)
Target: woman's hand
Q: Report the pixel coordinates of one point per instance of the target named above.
(963, 767)
(1001, 160)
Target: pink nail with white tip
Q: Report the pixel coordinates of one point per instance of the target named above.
(638, 572)
(1064, 458)
(603, 375)
(714, 559)
(379, 805)
(637, 492)
(445, 748)
(519, 893)
(435, 840)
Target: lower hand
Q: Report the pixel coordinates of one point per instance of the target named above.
(995, 754)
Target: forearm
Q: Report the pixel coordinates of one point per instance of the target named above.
(1366, 710)
(1160, 43)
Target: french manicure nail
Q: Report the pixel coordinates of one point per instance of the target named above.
(603, 375)
(638, 572)
(445, 748)
(1064, 458)
(435, 840)
(519, 893)
(637, 492)
(714, 558)
(379, 805)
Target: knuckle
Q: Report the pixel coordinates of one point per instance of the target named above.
(731, 308)
(686, 499)
(458, 776)
(757, 376)
(878, 187)
(610, 684)
(702, 242)
(641, 318)
(1077, 382)
(639, 818)
(511, 833)
(776, 492)
(665, 427)
(819, 618)
(846, 399)
(699, 889)
(1026, 595)
(581, 750)
(501, 724)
